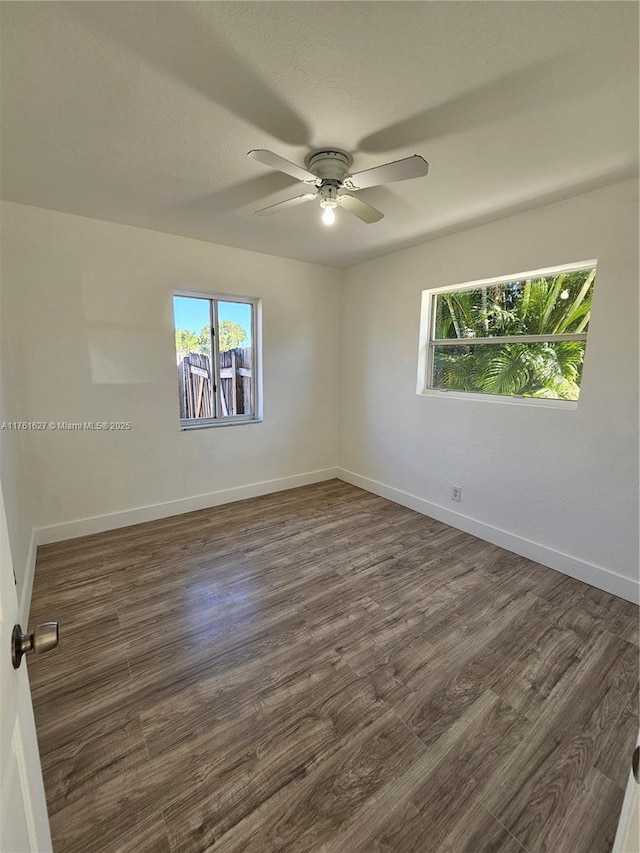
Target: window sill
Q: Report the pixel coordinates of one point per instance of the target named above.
(219, 423)
(535, 402)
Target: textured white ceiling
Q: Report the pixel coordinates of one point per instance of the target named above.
(143, 112)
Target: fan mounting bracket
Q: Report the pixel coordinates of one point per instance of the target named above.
(328, 163)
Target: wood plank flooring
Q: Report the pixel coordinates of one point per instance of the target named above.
(323, 670)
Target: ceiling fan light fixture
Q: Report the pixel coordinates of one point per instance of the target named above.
(328, 214)
(329, 201)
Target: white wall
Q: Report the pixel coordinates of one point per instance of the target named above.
(91, 329)
(562, 485)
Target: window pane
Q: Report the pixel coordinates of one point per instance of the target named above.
(548, 370)
(193, 352)
(235, 343)
(547, 305)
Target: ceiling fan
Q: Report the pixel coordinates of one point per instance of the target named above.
(327, 169)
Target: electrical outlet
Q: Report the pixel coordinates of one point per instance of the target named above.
(456, 493)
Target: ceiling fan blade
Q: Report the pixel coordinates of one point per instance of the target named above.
(282, 205)
(359, 208)
(400, 170)
(278, 162)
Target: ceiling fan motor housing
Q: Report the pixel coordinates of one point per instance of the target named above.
(329, 164)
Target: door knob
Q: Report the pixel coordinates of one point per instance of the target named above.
(44, 637)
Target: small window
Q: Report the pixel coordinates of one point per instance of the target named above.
(217, 358)
(522, 336)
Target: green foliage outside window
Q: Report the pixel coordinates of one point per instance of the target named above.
(548, 305)
(232, 335)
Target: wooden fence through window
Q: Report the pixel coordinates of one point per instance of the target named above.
(195, 383)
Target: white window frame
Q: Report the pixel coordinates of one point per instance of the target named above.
(427, 341)
(220, 420)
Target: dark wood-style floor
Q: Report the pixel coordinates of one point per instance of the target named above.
(323, 670)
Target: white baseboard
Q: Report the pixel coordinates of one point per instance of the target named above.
(27, 587)
(114, 520)
(573, 566)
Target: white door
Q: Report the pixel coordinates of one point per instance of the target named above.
(628, 836)
(24, 826)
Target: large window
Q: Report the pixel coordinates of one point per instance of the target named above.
(217, 359)
(522, 336)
